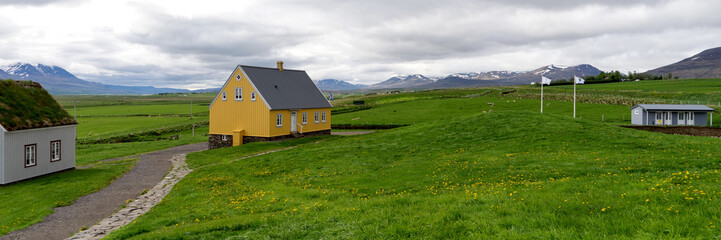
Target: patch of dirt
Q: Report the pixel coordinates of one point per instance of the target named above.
(681, 130)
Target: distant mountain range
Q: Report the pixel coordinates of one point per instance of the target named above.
(706, 64)
(335, 85)
(492, 78)
(59, 81)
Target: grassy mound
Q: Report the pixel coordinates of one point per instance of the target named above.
(25, 104)
(477, 176)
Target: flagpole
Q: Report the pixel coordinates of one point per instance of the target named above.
(574, 96)
(541, 95)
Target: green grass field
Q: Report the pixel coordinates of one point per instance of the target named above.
(478, 176)
(458, 171)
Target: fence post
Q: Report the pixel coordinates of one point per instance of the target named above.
(602, 118)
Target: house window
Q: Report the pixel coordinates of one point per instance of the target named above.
(55, 151)
(224, 137)
(322, 116)
(237, 77)
(658, 116)
(31, 154)
(279, 120)
(690, 116)
(252, 96)
(224, 96)
(317, 118)
(681, 116)
(305, 118)
(667, 116)
(238, 94)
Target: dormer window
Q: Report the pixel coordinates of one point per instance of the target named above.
(239, 94)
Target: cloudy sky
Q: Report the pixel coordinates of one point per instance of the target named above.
(195, 44)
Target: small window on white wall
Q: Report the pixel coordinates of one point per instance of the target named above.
(31, 154)
(322, 116)
(224, 96)
(55, 151)
(238, 94)
(252, 96)
(279, 120)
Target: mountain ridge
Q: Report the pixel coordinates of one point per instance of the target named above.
(706, 64)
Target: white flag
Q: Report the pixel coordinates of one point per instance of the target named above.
(545, 80)
(579, 80)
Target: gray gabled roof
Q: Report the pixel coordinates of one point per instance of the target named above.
(674, 107)
(287, 89)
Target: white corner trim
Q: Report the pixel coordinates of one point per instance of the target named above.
(232, 75)
(257, 91)
(3, 128)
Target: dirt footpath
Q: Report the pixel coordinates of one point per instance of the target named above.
(86, 211)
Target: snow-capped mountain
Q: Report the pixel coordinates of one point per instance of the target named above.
(491, 78)
(59, 81)
(408, 81)
(334, 84)
(706, 64)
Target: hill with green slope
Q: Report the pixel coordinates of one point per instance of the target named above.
(473, 176)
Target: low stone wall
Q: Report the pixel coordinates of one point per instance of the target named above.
(216, 141)
(681, 130)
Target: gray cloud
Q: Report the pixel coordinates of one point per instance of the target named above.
(34, 2)
(367, 41)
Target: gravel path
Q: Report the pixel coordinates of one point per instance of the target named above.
(86, 211)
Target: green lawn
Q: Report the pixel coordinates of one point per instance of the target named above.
(96, 127)
(27, 202)
(480, 175)
(162, 109)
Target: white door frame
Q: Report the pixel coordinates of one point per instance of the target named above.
(293, 121)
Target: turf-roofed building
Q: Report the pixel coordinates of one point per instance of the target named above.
(264, 104)
(37, 136)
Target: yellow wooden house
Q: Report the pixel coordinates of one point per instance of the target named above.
(265, 104)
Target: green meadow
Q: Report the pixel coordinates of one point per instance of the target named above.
(469, 163)
(462, 168)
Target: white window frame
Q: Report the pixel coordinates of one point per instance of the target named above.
(659, 116)
(224, 96)
(55, 150)
(317, 117)
(305, 118)
(681, 116)
(252, 96)
(31, 155)
(279, 120)
(239, 94)
(322, 116)
(690, 116)
(224, 137)
(238, 77)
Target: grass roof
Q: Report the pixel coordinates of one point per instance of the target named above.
(25, 105)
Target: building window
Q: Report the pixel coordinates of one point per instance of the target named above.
(224, 137)
(252, 96)
(31, 154)
(224, 96)
(305, 118)
(658, 116)
(322, 116)
(237, 77)
(317, 118)
(690, 116)
(667, 116)
(55, 151)
(238, 94)
(681, 116)
(279, 120)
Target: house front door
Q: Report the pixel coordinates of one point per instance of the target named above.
(293, 121)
